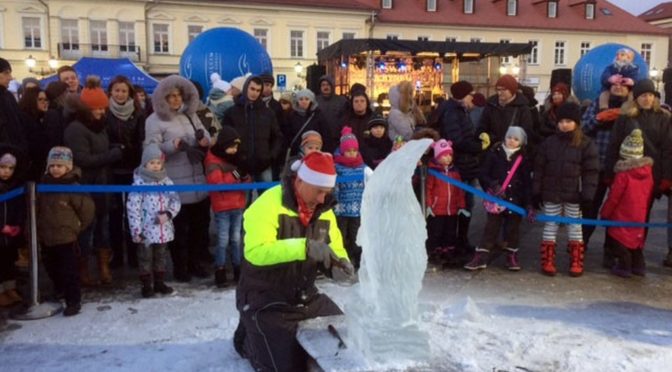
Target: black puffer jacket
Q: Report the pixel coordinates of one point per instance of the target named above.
(497, 119)
(494, 170)
(456, 126)
(657, 132)
(261, 139)
(130, 133)
(564, 173)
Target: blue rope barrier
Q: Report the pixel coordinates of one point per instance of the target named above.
(542, 217)
(12, 194)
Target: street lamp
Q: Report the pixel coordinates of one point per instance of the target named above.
(298, 68)
(52, 64)
(654, 74)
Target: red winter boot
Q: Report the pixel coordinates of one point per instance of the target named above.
(576, 249)
(548, 258)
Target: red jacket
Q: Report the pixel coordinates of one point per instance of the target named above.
(629, 199)
(218, 171)
(444, 198)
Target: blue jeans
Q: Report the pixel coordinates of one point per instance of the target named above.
(229, 226)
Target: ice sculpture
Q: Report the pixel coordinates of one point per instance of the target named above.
(382, 314)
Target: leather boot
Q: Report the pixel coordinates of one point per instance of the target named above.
(104, 257)
(23, 261)
(480, 260)
(668, 259)
(159, 284)
(576, 249)
(236, 273)
(84, 277)
(146, 291)
(548, 258)
(220, 277)
(13, 295)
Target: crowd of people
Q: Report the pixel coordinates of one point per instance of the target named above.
(560, 158)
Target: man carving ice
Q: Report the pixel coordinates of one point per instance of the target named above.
(290, 231)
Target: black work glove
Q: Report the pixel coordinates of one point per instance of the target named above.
(199, 134)
(537, 202)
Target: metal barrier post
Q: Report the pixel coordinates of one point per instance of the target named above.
(36, 310)
(423, 195)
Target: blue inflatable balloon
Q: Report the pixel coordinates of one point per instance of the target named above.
(228, 51)
(588, 70)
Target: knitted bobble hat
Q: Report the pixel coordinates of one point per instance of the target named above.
(632, 146)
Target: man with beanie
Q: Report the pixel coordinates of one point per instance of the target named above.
(629, 198)
(597, 122)
(290, 231)
(457, 127)
(334, 108)
(645, 114)
(260, 135)
(10, 119)
(506, 108)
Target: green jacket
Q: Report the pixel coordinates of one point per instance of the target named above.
(61, 217)
(275, 268)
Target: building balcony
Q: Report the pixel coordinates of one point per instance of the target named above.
(75, 51)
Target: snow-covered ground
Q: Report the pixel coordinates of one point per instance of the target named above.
(490, 321)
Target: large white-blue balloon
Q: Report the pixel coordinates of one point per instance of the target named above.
(588, 70)
(228, 51)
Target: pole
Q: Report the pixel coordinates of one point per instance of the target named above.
(423, 195)
(35, 309)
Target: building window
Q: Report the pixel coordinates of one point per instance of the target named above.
(387, 4)
(468, 6)
(160, 31)
(423, 38)
(533, 57)
(559, 55)
(511, 7)
(392, 37)
(506, 59)
(646, 52)
(99, 36)
(552, 9)
(476, 40)
(126, 36)
(451, 39)
(296, 44)
(431, 5)
(31, 32)
(261, 34)
(585, 48)
(590, 11)
(348, 35)
(193, 31)
(322, 40)
(69, 34)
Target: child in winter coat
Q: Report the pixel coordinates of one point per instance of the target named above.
(443, 201)
(61, 218)
(221, 167)
(377, 145)
(497, 166)
(349, 163)
(565, 179)
(12, 218)
(150, 219)
(628, 200)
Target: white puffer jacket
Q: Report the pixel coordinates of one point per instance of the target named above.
(143, 209)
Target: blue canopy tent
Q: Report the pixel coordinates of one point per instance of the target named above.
(107, 69)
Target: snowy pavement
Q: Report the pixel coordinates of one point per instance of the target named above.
(492, 320)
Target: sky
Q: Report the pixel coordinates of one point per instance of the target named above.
(636, 7)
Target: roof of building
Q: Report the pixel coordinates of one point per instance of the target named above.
(532, 14)
(338, 4)
(660, 11)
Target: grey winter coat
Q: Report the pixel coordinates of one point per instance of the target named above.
(400, 123)
(165, 125)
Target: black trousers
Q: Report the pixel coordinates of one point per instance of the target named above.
(493, 225)
(120, 235)
(8, 255)
(191, 236)
(270, 334)
(60, 262)
(441, 231)
(349, 227)
(600, 193)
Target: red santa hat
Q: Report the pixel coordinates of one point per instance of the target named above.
(318, 169)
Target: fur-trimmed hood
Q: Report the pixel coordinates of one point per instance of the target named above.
(189, 97)
(629, 164)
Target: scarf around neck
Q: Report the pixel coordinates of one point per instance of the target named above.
(149, 176)
(122, 111)
(349, 162)
(509, 152)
